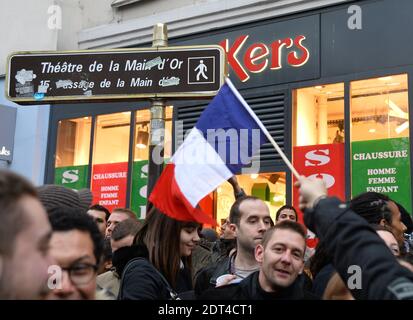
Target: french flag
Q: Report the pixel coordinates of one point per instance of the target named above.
(223, 141)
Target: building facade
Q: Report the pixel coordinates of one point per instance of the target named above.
(25, 26)
(329, 79)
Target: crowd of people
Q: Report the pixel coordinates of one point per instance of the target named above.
(56, 244)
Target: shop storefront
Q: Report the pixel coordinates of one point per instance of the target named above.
(335, 98)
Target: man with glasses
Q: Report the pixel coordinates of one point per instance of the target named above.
(76, 246)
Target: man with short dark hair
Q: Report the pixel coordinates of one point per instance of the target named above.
(249, 219)
(281, 255)
(76, 246)
(124, 233)
(118, 215)
(286, 213)
(281, 260)
(101, 216)
(24, 240)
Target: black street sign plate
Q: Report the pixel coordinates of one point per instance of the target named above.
(47, 77)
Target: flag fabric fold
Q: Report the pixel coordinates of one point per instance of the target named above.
(223, 141)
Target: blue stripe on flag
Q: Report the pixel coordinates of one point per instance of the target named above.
(228, 128)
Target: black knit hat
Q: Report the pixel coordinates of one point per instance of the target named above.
(52, 195)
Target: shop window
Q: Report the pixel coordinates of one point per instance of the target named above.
(72, 152)
(110, 160)
(318, 136)
(141, 157)
(380, 146)
(319, 115)
(270, 187)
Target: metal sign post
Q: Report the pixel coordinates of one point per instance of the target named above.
(157, 125)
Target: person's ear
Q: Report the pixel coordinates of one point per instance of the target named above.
(383, 222)
(259, 253)
(233, 228)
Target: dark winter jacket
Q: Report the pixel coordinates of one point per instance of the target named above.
(351, 241)
(140, 281)
(221, 248)
(321, 280)
(201, 258)
(123, 255)
(250, 289)
(207, 277)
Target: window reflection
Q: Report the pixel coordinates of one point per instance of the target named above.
(270, 187)
(379, 108)
(72, 152)
(73, 142)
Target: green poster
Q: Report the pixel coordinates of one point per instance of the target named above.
(139, 187)
(74, 177)
(382, 166)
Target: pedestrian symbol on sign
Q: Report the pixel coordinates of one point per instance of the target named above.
(201, 70)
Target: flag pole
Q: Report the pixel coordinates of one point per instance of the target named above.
(263, 128)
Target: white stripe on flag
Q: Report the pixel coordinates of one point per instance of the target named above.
(263, 128)
(198, 167)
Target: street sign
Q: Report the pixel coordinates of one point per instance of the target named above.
(47, 77)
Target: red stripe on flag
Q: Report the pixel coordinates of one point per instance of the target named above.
(169, 199)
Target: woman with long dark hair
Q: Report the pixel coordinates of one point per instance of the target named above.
(163, 266)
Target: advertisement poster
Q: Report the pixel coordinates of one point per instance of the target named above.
(139, 188)
(139, 197)
(324, 161)
(74, 177)
(109, 184)
(382, 166)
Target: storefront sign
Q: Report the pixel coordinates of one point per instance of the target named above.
(260, 56)
(74, 177)
(39, 77)
(382, 166)
(270, 52)
(7, 130)
(139, 188)
(109, 184)
(325, 161)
